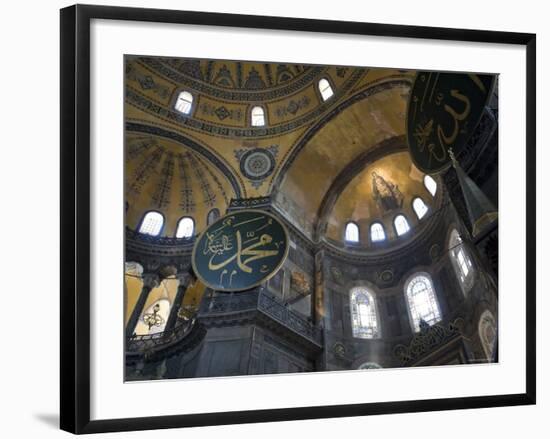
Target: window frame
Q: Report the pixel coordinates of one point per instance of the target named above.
(163, 225)
(354, 290)
(414, 326)
(178, 226)
(395, 226)
(191, 107)
(427, 176)
(264, 113)
(346, 232)
(423, 203)
(378, 241)
(331, 86)
(456, 246)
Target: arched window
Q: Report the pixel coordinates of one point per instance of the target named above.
(377, 232)
(184, 102)
(430, 184)
(352, 232)
(151, 224)
(461, 261)
(419, 207)
(153, 320)
(401, 225)
(257, 116)
(364, 321)
(186, 227)
(422, 301)
(369, 365)
(325, 89)
(487, 328)
(213, 215)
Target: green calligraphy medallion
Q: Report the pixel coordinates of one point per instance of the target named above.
(443, 112)
(240, 250)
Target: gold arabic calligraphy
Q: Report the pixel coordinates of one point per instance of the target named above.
(228, 244)
(423, 131)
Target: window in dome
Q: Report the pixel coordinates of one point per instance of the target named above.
(401, 225)
(352, 232)
(257, 117)
(363, 313)
(184, 102)
(377, 233)
(422, 301)
(151, 224)
(325, 89)
(430, 185)
(213, 215)
(419, 207)
(186, 227)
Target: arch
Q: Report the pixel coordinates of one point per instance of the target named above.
(419, 207)
(401, 224)
(184, 102)
(351, 233)
(430, 184)
(356, 166)
(325, 89)
(421, 300)
(364, 318)
(461, 261)
(152, 223)
(153, 319)
(487, 329)
(186, 227)
(257, 116)
(377, 232)
(230, 174)
(369, 365)
(212, 216)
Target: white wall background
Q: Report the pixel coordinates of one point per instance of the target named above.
(29, 249)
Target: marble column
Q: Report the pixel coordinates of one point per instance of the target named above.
(150, 281)
(185, 280)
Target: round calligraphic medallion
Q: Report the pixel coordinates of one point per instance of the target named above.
(443, 112)
(240, 250)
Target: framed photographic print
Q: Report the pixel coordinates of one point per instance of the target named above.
(262, 217)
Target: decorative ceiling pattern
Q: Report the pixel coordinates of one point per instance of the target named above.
(187, 164)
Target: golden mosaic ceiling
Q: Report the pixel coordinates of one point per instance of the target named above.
(188, 164)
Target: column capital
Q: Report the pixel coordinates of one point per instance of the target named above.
(184, 278)
(150, 280)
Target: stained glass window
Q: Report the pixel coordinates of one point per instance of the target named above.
(363, 313)
(422, 301)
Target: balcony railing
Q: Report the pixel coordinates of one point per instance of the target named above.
(268, 307)
(152, 342)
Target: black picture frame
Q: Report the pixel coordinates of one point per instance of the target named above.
(75, 217)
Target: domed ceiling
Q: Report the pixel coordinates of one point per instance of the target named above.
(187, 164)
(382, 190)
